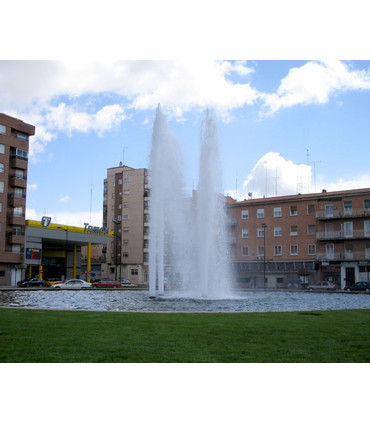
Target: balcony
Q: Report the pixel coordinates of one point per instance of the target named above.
(344, 256)
(342, 214)
(342, 236)
(15, 239)
(18, 182)
(18, 163)
(16, 201)
(15, 219)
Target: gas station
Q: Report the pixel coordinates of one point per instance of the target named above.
(53, 251)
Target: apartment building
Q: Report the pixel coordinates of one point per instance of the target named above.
(295, 240)
(14, 145)
(126, 212)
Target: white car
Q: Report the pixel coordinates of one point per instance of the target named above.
(72, 284)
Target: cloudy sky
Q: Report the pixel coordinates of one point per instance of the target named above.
(284, 126)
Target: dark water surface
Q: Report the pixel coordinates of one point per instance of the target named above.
(124, 300)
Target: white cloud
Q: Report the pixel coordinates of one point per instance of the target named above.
(362, 181)
(64, 199)
(31, 90)
(69, 119)
(31, 187)
(314, 83)
(274, 175)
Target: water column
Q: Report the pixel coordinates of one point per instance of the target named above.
(166, 203)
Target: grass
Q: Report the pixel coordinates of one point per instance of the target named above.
(44, 336)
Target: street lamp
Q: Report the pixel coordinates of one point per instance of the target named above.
(264, 254)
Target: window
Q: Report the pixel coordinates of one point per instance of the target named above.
(293, 210)
(1, 167)
(134, 272)
(311, 209)
(19, 173)
(260, 251)
(125, 205)
(260, 213)
(22, 136)
(126, 192)
(329, 210)
(16, 248)
(119, 218)
(17, 230)
(245, 251)
(125, 255)
(260, 232)
(245, 214)
(348, 251)
(294, 250)
(119, 181)
(245, 233)
(1, 207)
(367, 227)
(125, 217)
(2, 149)
(311, 249)
(18, 192)
(367, 204)
(367, 252)
(1, 186)
(329, 251)
(294, 230)
(278, 231)
(348, 207)
(125, 229)
(119, 206)
(125, 242)
(126, 180)
(277, 211)
(348, 229)
(21, 154)
(278, 250)
(2, 129)
(311, 229)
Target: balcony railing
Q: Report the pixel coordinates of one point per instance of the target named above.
(341, 235)
(355, 255)
(342, 214)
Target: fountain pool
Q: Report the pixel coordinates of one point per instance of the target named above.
(138, 301)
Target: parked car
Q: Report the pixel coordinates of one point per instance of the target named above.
(325, 285)
(358, 286)
(72, 284)
(30, 282)
(124, 282)
(106, 283)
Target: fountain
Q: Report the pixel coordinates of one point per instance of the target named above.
(188, 243)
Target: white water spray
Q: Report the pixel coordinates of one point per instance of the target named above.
(188, 243)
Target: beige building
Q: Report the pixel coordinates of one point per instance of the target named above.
(126, 212)
(14, 142)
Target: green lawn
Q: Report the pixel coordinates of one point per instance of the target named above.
(44, 336)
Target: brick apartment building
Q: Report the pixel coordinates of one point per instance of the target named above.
(14, 142)
(277, 242)
(298, 239)
(126, 212)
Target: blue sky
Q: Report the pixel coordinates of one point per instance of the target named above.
(284, 126)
